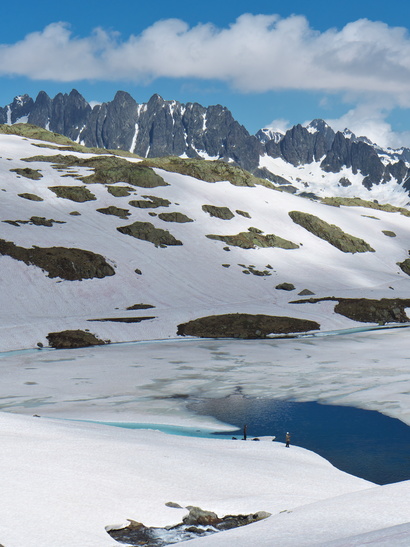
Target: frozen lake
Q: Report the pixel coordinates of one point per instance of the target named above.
(152, 382)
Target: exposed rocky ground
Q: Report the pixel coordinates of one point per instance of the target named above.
(197, 523)
(240, 325)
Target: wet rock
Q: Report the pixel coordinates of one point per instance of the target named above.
(196, 524)
(198, 516)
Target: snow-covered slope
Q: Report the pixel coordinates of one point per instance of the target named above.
(197, 278)
(65, 483)
(310, 179)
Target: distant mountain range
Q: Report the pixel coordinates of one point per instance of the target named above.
(313, 160)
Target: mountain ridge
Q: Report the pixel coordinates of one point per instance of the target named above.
(169, 128)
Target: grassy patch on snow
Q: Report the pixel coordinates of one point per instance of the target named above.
(67, 263)
(243, 325)
(253, 239)
(330, 233)
(148, 232)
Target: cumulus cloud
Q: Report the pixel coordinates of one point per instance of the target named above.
(369, 119)
(256, 53)
(279, 125)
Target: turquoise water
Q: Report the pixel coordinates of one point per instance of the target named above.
(363, 443)
(169, 429)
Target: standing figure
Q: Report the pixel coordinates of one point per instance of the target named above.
(287, 439)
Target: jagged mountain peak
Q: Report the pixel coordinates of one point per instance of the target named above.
(317, 125)
(167, 127)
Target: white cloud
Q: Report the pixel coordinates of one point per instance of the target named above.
(369, 119)
(256, 53)
(280, 124)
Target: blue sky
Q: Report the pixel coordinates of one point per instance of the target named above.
(269, 62)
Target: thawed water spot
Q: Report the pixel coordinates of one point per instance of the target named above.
(364, 443)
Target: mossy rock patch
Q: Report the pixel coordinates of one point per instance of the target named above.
(251, 240)
(150, 202)
(140, 307)
(36, 221)
(223, 213)
(31, 131)
(366, 310)
(67, 263)
(78, 194)
(148, 232)
(174, 217)
(123, 319)
(70, 339)
(388, 233)
(33, 174)
(243, 213)
(330, 233)
(253, 270)
(285, 287)
(31, 197)
(305, 292)
(209, 171)
(108, 169)
(405, 266)
(358, 202)
(120, 191)
(128, 172)
(115, 211)
(243, 325)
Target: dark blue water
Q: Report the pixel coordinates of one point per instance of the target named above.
(364, 443)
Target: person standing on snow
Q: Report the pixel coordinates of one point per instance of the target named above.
(287, 439)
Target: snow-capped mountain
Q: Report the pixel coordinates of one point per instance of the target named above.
(312, 159)
(133, 249)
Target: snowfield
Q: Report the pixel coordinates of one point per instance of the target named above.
(64, 482)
